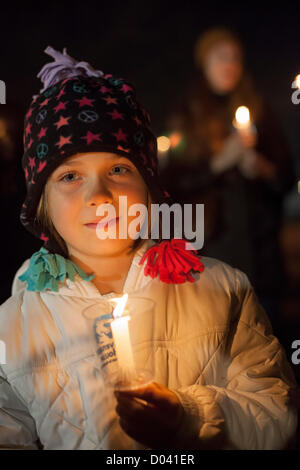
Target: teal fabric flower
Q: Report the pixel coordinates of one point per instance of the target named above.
(46, 270)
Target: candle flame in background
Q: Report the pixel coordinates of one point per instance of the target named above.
(175, 139)
(297, 81)
(121, 302)
(163, 143)
(242, 115)
(3, 128)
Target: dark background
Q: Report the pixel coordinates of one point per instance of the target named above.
(151, 44)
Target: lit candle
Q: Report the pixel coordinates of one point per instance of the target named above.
(242, 120)
(163, 144)
(122, 342)
(175, 139)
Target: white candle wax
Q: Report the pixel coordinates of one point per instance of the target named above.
(120, 331)
(122, 342)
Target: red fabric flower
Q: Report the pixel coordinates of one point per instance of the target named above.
(172, 261)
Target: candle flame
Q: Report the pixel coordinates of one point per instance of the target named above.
(175, 139)
(163, 143)
(242, 115)
(297, 81)
(121, 302)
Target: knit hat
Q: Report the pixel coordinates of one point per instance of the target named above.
(78, 110)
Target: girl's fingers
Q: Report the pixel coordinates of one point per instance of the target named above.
(131, 409)
(160, 408)
(153, 393)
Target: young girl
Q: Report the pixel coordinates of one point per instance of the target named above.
(221, 379)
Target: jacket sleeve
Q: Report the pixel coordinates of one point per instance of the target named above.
(252, 403)
(17, 284)
(17, 427)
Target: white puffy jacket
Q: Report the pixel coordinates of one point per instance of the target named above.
(212, 344)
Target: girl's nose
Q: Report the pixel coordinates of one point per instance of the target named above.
(98, 194)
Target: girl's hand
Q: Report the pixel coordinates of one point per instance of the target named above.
(151, 415)
(254, 165)
(248, 139)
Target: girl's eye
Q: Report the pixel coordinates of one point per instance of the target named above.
(65, 178)
(120, 170)
(72, 177)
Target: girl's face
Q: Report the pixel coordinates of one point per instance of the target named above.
(78, 186)
(223, 67)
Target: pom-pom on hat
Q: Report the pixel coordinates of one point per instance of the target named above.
(173, 262)
(80, 109)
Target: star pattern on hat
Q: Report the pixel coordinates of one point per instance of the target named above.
(104, 89)
(42, 132)
(61, 105)
(125, 88)
(120, 135)
(63, 121)
(45, 102)
(116, 115)
(41, 166)
(90, 137)
(29, 113)
(28, 129)
(62, 92)
(31, 162)
(110, 100)
(84, 101)
(63, 141)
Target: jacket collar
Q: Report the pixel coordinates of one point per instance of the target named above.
(135, 280)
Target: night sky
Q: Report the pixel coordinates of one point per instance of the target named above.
(151, 44)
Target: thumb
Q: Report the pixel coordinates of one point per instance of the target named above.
(153, 393)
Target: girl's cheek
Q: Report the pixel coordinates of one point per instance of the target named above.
(60, 202)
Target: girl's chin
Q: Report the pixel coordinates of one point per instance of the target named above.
(106, 246)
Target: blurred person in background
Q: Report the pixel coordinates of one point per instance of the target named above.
(16, 243)
(240, 176)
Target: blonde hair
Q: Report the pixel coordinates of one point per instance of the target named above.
(44, 220)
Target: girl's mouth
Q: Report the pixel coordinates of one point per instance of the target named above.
(101, 224)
